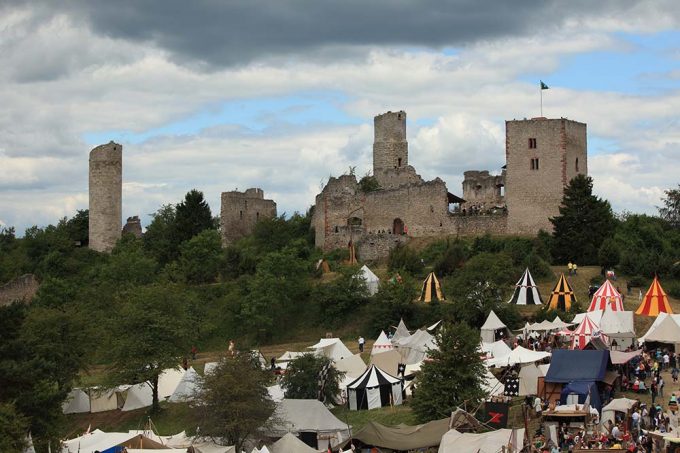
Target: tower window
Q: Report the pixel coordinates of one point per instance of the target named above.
(240, 213)
(399, 162)
(576, 165)
(257, 216)
(534, 163)
(532, 143)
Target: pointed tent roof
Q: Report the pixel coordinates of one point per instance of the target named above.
(606, 297)
(291, 444)
(559, 324)
(617, 323)
(373, 377)
(667, 331)
(432, 290)
(655, 301)
(401, 332)
(353, 365)
(519, 355)
(493, 322)
(382, 344)
(526, 291)
(562, 295)
(187, 387)
(583, 333)
(372, 280)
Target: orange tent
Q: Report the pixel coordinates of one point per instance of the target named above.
(562, 295)
(655, 301)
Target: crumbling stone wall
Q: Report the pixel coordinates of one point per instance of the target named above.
(106, 196)
(133, 226)
(22, 288)
(482, 191)
(240, 211)
(534, 192)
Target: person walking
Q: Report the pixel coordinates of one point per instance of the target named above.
(361, 344)
(661, 384)
(570, 267)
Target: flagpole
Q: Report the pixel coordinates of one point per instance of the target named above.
(540, 88)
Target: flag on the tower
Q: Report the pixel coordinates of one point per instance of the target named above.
(544, 86)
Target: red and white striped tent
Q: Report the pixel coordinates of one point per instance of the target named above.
(606, 297)
(584, 332)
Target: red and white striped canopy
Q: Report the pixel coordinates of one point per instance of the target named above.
(584, 332)
(606, 297)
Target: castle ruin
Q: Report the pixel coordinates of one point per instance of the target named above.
(240, 211)
(106, 194)
(542, 155)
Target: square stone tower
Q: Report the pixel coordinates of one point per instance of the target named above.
(542, 156)
(390, 148)
(240, 212)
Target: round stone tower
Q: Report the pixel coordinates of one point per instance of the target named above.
(106, 194)
(390, 148)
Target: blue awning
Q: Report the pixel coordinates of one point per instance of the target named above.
(577, 366)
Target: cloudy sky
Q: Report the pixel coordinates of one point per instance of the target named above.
(280, 94)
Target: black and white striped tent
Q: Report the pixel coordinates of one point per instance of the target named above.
(374, 389)
(526, 291)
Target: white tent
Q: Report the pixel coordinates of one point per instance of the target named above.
(77, 402)
(519, 355)
(401, 332)
(182, 441)
(276, 393)
(187, 387)
(102, 400)
(333, 348)
(666, 331)
(382, 344)
(168, 382)
(98, 440)
(491, 385)
(526, 291)
(136, 396)
(490, 326)
(388, 361)
(291, 444)
(209, 367)
(307, 416)
(414, 348)
(528, 379)
(352, 366)
(288, 356)
(496, 349)
(559, 324)
(492, 442)
(616, 405)
(29, 445)
(595, 316)
(372, 280)
(618, 326)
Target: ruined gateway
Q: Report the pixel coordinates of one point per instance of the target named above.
(542, 156)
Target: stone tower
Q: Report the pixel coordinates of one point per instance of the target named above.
(542, 156)
(106, 193)
(240, 211)
(390, 148)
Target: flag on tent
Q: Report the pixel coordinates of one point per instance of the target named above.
(606, 297)
(431, 289)
(562, 295)
(526, 291)
(655, 301)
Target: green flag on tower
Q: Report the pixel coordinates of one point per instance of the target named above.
(544, 86)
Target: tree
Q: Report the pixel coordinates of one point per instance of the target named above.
(452, 259)
(191, 217)
(671, 207)
(393, 302)
(13, 428)
(158, 236)
(453, 375)
(301, 380)
(150, 334)
(585, 221)
(403, 258)
(201, 257)
(342, 296)
(78, 227)
(233, 401)
(609, 254)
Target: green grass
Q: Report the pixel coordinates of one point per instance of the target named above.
(387, 416)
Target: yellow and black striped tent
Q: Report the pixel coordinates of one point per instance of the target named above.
(562, 295)
(432, 290)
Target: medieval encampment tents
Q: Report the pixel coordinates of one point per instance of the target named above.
(562, 296)
(606, 297)
(655, 301)
(333, 348)
(372, 280)
(382, 344)
(373, 389)
(401, 332)
(526, 291)
(493, 329)
(402, 437)
(432, 290)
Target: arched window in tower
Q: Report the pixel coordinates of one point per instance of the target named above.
(240, 214)
(399, 162)
(576, 165)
